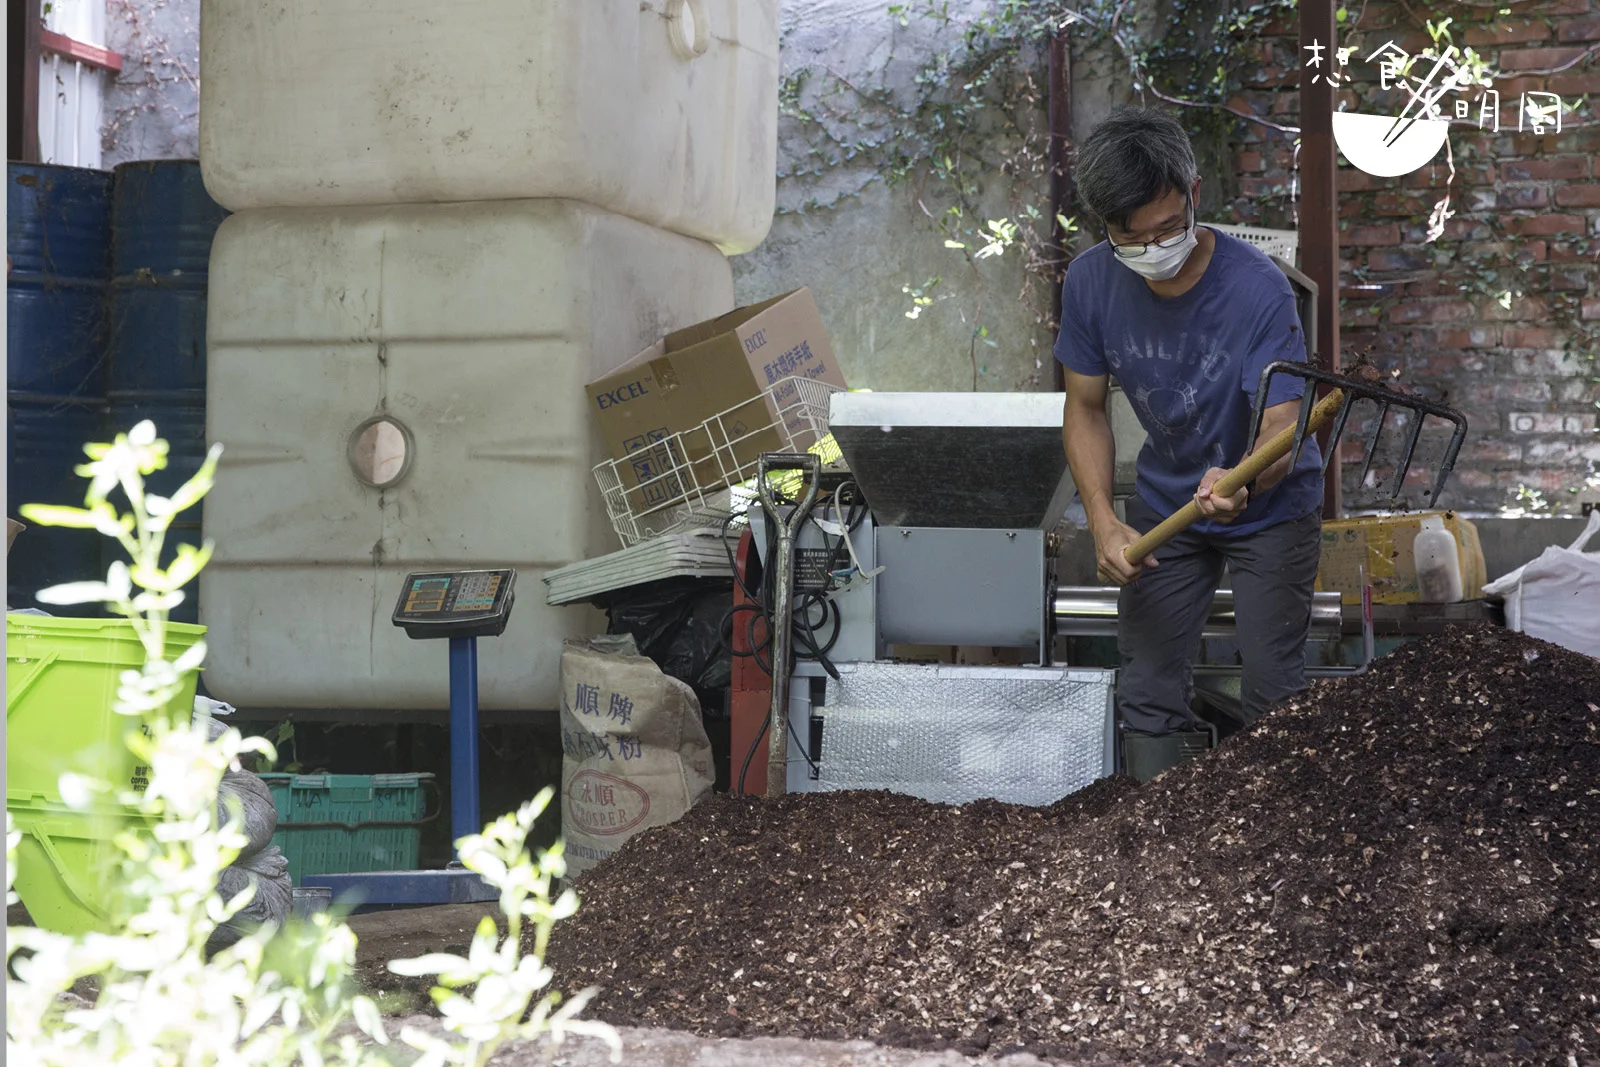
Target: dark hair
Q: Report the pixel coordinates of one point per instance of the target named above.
(1136, 156)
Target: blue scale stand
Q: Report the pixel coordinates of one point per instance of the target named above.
(460, 606)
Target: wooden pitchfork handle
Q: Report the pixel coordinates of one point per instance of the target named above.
(1242, 475)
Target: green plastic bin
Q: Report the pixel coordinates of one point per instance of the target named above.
(61, 680)
(350, 823)
(67, 862)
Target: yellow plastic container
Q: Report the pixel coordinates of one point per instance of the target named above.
(61, 681)
(1382, 546)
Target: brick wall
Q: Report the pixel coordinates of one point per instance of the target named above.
(1527, 221)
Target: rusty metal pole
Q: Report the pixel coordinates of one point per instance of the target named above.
(23, 24)
(1319, 199)
(1060, 102)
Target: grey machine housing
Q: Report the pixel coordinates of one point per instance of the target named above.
(963, 489)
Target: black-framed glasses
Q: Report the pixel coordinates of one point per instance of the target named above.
(1135, 249)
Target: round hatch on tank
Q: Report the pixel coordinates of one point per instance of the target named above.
(689, 28)
(380, 452)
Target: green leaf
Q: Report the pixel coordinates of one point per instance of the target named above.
(56, 515)
(76, 593)
(1341, 15)
(148, 602)
(439, 963)
(198, 486)
(367, 1016)
(189, 563)
(191, 659)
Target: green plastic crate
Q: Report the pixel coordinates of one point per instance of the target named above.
(349, 823)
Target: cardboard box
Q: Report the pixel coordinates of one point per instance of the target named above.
(689, 376)
(1384, 544)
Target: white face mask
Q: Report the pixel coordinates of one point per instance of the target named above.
(1159, 264)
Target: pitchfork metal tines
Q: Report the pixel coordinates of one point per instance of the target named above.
(1352, 390)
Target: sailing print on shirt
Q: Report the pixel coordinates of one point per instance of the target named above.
(1167, 402)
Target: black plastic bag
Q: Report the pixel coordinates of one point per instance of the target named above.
(677, 623)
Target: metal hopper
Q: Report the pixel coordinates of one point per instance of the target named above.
(972, 460)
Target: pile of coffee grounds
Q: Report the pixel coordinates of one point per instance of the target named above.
(1395, 868)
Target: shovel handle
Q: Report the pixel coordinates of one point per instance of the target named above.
(807, 463)
(1246, 472)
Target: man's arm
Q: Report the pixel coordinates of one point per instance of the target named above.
(1274, 421)
(1091, 455)
(1277, 418)
(1277, 336)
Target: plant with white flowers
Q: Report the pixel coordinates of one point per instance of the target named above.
(504, 981)
(277, 996)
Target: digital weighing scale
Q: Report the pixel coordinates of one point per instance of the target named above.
(460, 606)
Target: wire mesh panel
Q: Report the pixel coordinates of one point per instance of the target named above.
(1022, 735)
(1280, 243)
(694, 478)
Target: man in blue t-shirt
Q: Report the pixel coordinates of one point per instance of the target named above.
(1185, 318)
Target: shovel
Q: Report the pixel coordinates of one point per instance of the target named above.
(788, 528)
(1314, 415)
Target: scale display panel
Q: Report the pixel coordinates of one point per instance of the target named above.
(456, 603)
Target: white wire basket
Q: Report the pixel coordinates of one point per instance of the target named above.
(696, 478)
(1280, 243)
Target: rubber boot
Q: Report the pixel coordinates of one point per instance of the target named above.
(1144, 756)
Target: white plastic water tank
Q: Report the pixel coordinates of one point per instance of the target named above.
(442, 349)
(662, 110)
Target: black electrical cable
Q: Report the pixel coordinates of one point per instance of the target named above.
(755, 746)
(726, 633)
(816, 768)
(758, 647)
(806, 636)
(732, 563)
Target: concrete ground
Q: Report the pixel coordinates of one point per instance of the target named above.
(669, 1048)
(401, 934)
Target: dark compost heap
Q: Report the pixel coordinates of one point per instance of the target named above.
(1396, 868)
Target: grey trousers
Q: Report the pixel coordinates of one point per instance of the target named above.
(1161, 614)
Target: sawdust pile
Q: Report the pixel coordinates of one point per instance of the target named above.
(1398, 868)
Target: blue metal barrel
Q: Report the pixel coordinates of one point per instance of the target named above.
(44, 443)
(58, 223)
(58, 239)
(163, 223)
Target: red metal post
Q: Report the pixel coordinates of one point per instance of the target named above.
(1319, 208)
(750, 697)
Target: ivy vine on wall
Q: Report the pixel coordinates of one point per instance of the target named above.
(977, 114)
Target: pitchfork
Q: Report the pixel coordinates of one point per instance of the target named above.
(1314, 415)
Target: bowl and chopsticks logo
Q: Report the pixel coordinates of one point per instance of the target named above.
(1389, 146)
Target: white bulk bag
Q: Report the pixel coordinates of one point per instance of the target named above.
(1556, 597)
